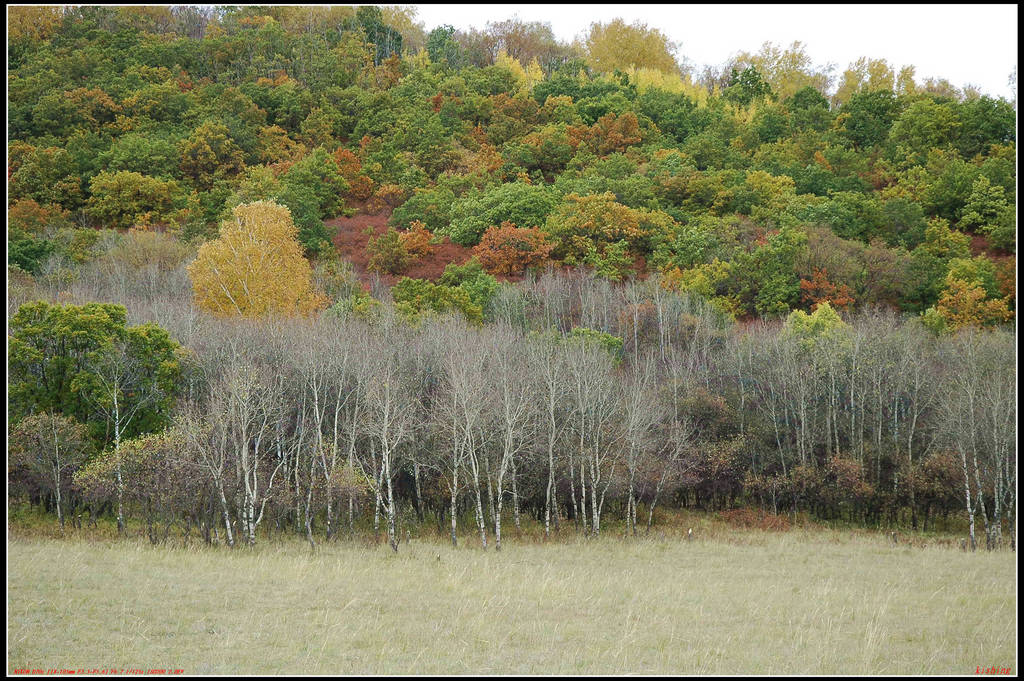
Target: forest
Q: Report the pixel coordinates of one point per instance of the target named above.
(319, 271)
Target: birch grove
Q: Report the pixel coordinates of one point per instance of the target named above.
(315, 426)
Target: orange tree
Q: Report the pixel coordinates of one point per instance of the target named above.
(507, 249)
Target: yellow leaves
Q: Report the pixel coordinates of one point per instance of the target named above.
(255, 267)
(646, 78)
(525, 77)
(581, 221)
(33, 22)
(964, 304)
(785, 70)
(617, 45)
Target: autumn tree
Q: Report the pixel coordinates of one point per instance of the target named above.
(255, 267)
(417, 240)
(819, 289)
(44, 451)
(582, 221)
(618, 45)
(507, 249)
(965, 303)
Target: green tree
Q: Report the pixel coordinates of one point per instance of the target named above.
(522, 204)
(866, 118)
(209, 154)
(443, 48)
(471, 278)
(126, 199)
(988, 211)
(923, 126)
(61, 356)
(319, 174)
(416, 297)
(388, 254)
(432, 207)
(746, 86)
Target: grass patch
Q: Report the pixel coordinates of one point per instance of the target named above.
(731, 601)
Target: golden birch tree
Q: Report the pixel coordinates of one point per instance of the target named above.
(255, 267)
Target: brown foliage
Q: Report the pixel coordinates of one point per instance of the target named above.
(416, 240)
(507, 249)
(964, 304)
(613, 133)
(820, 290)
(751, 519)
(29, 216)
(360, 187)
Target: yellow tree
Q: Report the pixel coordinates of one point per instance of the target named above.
(33, 23)
(618, 45)
(871, 75)
(787, 70)
(965, 303)
(255, 267)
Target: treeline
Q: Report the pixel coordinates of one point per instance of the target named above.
(180, 162)
(579, 399)
(765, 185)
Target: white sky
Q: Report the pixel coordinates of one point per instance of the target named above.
(965, 44)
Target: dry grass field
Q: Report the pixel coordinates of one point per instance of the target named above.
(737, 601)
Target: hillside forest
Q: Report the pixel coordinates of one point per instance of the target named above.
(317, 270)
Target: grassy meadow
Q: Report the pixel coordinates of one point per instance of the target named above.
(730, 601)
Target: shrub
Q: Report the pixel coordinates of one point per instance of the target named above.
(520, 203)
(507, 249)
(612, 262)
(414, 297)
(387, 253)
(417, 240)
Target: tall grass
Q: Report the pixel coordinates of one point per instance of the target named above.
(729, 602)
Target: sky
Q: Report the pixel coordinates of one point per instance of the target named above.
(965, 44)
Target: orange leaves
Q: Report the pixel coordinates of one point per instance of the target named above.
(279, 78)
(417, 240)
(485, 160)
(351, 169)
(611, 133)
(391, 194)
(820, 290)
(255, 267)
(1006, 277)
(276, 146)
(509, 250)
(349, 164)
(29, 216)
